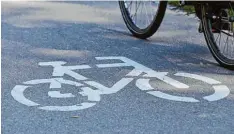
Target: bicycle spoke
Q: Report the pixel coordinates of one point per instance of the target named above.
(146, 13)
(141, 12)
(225, 37)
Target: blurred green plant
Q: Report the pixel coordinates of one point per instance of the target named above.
(190, 9)
(187, 9)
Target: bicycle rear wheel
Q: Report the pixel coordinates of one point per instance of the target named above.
(143, 18)
(219, 34)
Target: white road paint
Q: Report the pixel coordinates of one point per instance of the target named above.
(115, 88)
(18, 94)
(59, 70)
(172, 97)
(54, 82)
(199, 77)
(69, 82)
(68, 108)
(112, 65)
(143, 84)
(94, 90)
(221, 91)
(57, 94)
(52, 63)
(93, 95)
(139, 68)
(173, 82)
(134, 72)
(166, 79)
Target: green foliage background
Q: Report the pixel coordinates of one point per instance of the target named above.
(187, 9)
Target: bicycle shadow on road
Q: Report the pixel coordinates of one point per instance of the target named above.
(94, 40)
(56, 38)
(198, 54)
(79, 43)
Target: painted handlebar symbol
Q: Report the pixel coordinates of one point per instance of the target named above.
(93, 90)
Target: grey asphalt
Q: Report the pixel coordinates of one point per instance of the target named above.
(77, 32)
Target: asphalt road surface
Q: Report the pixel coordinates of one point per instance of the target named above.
(104, 85)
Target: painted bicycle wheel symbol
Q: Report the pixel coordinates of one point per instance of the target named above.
(94, 90)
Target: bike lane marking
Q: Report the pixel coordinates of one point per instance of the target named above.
(18, 94)
(58, 94)
(144, 85)
(94, 95)
(139, 69)
(221, 91)
(114, 89)
(166, 96)
(81, 106)
(59, 70)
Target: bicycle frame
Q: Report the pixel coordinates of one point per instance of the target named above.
(216, 5)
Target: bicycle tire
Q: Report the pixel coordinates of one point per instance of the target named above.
(211, 43)
(151, 28)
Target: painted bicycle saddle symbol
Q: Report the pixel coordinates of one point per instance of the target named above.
(94, 90)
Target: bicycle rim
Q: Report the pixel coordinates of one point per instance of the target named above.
(221, 42)
(143, 18)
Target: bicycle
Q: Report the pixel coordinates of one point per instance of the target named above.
(93, 90)
(217, 21)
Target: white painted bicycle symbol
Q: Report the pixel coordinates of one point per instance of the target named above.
(94, 90)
